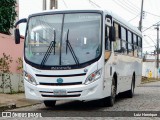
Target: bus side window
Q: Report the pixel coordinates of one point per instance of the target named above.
(123, 38)
(139, 47)
(130, 45)
(117, 43)
(135, 45)
(107, 41)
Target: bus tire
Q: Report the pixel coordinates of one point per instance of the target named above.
(49, 103)
(109, 101)
(130, 92)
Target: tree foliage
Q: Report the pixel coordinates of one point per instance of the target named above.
(7, 15)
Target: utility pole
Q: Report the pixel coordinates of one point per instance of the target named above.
(140, 22)
(157, 27)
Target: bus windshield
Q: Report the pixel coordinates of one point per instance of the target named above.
(63, 39)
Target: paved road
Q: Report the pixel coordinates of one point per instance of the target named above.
(146, 98)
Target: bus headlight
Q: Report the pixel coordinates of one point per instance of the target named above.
(93, 77)
(29, 78)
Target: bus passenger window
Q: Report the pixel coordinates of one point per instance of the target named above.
(139, 52)
(130, 45)
(135, 45)
(134, 39)
(139, 42)
(139, 47)
(135, 51)
(117, 43)
(123, 33)
(123, 38)
(107, 41)
(130, 49)
(124, 47)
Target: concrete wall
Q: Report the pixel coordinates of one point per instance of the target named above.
(147, 67)
(16, 84)
(8, 47)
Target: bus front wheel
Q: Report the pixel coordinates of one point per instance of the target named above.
(49, 103)
(130, 92)
(109, 101)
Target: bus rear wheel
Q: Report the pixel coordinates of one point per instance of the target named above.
(49, 103)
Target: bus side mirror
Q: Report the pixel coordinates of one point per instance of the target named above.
(16, 31)
(112, 34)
(17, 36)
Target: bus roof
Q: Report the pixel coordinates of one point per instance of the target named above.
(124, 23)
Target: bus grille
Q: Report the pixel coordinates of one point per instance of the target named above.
(60, 84)
(76, 95)
(69, 94)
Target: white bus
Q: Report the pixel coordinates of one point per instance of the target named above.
(80, 55)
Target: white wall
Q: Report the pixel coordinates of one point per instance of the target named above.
(16, 82)
(149, 66)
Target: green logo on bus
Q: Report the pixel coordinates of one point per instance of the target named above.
(59, 80)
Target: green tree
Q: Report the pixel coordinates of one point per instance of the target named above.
(7, 15)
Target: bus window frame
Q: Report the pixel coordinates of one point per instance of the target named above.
(118, 37)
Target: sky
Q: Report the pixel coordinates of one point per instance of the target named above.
(127, 9)
(130, 11)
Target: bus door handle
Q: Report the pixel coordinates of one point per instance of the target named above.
(110, 70)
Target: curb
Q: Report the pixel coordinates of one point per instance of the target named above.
(13, 106)
(6, 107)
(28, 105)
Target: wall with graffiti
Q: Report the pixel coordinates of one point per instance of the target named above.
(149, 69)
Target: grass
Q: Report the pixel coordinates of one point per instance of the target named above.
(147, 80)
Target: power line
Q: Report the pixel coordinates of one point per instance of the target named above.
(150, 39)
(147, 42)
(132, 5)
(134, 18)
(136, 8)
(94, 3)
(124, 7)
(65, 4)
(150, 26)
(128, 6)
(152, 14)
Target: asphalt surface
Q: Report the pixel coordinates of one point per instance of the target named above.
(146, 100)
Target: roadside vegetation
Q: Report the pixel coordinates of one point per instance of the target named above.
(5, 74)
(7, 15)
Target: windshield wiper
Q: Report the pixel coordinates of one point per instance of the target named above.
(71, 49)
(49, 50)
(54, 41)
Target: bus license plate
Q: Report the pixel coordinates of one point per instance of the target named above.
(59, 92)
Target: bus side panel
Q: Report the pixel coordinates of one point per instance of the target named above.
(108, 76)
(124, 67)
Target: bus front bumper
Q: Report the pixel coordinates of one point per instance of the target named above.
(81, 92)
